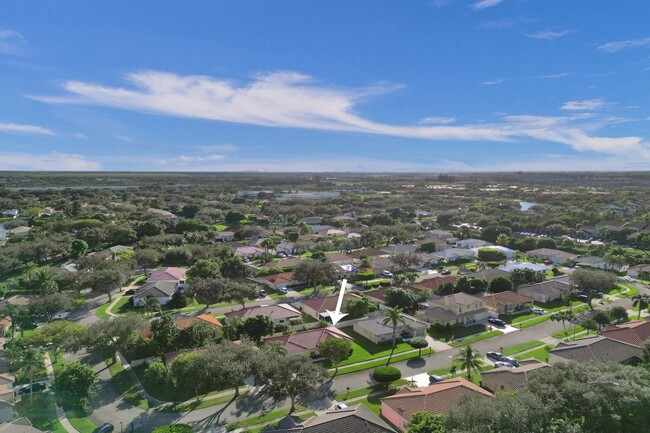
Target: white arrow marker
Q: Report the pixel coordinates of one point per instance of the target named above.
(336, 315)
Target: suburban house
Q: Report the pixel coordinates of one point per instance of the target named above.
(339, 259)
(506, 251)
(438, 234)
(452, 254)
(437, 399)
(186, 322)
(639, 271)
(249, 252)
(344, 218)
(19, 425)
(5, 324)
(332, 233)
(375, 330)
(279, 313)
(536, 267)
(287, 247)
(433, 283)
(225, 236)
(507, 302)
(161, 290)
(168, 274)
(279, 281)
(636, 332)
(312, 220)
(112, 252)
(455, 309)
(11, 213)
(554, 256)
(607, 225)
(405, 248)
(317, 307)
(369, 252)
(317, 229)
(284, 263)
(382, 263)
(600, 263)
(595, 349)
(307, 342)
(20, 231)
(510, 379)
(546, 291)
(472, 243)
(350, 419)
(346, 271)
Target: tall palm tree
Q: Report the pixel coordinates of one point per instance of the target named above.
(393, 317)
(563, 316)
(469, 359)
(641, 301)
(29, 362)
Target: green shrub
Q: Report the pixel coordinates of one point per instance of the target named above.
(386, 375)
(365, 275)
(174, 428)
(156, 372)
(367, 286)
(384, 283)
(374, 284)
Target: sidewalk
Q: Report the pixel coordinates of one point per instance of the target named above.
(60, 413)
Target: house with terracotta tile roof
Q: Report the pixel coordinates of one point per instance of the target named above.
(279, 281)
(595, 349)
(186, 322)
(168, 274)
(636, 332)
(507, 302)
(376, 331)
(546, 291)
(249, 252)
(278, 313)
(433, 283)
(307, 342)
(511, 379)
(351, 419)
(317, 307)
(436, 399)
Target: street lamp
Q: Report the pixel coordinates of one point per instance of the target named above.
(121, 427)
(347, 389)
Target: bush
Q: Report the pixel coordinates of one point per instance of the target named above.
(174, 428)
(156, 372)
(295, 322)
(374, 284)
(384, 283)
(365, 275)
(179, 300)
(367, 286)
(490, 255)
(281, 327)
(386, 375)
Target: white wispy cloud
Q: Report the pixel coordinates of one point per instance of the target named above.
(484, 4)
(11, 42)
(214, 157)
(125, 138)
(534, 77)
(505, 23)
(47, 161)
(227, 147)
(549, 35)
(612, 47)
(25, 129)
(437, 120)
(292, 100)
(584, 105)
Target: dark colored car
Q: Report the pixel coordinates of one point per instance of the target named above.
(129, 292)
(445, 272)
(582, 298)
(104, 428)
(495, 356)
(262, 293)
(511, 360)
(495, 321)
(433, 378)
(36, 387)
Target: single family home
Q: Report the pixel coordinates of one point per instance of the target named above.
(595, 349)
(279, 313)
(307, 342)
(511, 379)
(350, 419)
(376, 331)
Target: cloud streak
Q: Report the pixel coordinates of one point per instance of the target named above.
(535, 77)
(549, 35)
(11, 42)
(484, 4)
(54, 161)
(292, 100)
(612, 47)
(584, 105)
(25, 129)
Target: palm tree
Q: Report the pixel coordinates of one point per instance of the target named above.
(393, 316)
(29, 268)
(641, 301)
(564, 316)
(469, 359)
(29, 362)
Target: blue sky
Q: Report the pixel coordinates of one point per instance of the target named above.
(296, 85)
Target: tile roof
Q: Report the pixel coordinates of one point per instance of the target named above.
(308, 340)
(548, 288)
(436, 398)
(457, 299)
(496, 300)
(370, 252)
(636, 332)
(284, 277)
(513, 378)
(352, 419)
(167, 274)
(596, 348)
(278, 311)
(433, 283)
(327, 303)
(186, 322)
(284, 263)
(487, 274)
(156, 289)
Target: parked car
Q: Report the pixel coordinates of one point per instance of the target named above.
(281, 290)
(129, 292)
(495, 321)
(104, 428)
(445, 272)
(433, 378)
(537, 311)
(496, 356)
(583, 298)
(262, 293)
(599, 295)
(36, 387)
(341, 406)
(60, 315)
(386, 273)
(511, 360)
(503, 364)
(282, 255)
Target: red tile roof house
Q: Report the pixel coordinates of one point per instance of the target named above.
(280, 281)
(249, 252)
(167, 274)
(317, 307)
(511, 379)
(186, 322)
(279, 313)
(161, 284)
(307, 342)
(507, 302)
(636, 332)
(437, 399)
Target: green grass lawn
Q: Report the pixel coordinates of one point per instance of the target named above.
(521, 347)
(269, 416)
(201, 403)
(457, 332)
(377, 363)
(365, 350)
(569, 332)
(541, 354)
(41, 412)
(126, 385)
(475, 338)
(80, 422)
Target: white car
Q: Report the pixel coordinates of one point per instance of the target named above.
(387, 274)
(341, 406)
(281, 290)
(503, 364)
(538, 311)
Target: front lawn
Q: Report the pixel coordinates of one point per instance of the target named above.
(541, 354)
(375, 363)
(522, 347)
(125, 384)
(365, 350)
(41, 412)
(457, 332)
(475, 338)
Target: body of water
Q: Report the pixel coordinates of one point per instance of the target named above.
(525, 205)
